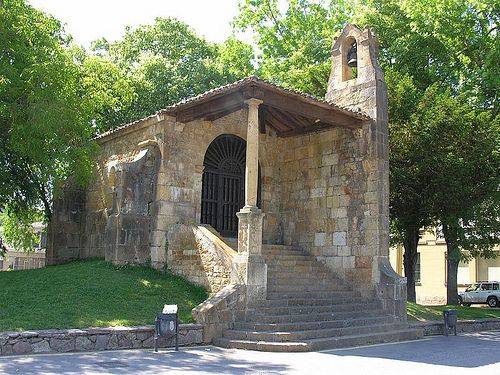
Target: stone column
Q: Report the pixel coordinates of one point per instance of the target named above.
(250, 217)
(252, 157)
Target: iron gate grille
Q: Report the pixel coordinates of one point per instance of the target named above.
(223, 184)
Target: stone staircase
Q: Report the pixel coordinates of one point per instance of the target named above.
(308, 308)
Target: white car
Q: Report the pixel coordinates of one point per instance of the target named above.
(482, 292)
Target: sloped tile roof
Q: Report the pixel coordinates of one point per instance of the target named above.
(225, 89)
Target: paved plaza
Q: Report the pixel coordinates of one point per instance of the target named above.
(466, 354)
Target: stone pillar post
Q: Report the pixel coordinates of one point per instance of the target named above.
(252, 157)
(250, 217)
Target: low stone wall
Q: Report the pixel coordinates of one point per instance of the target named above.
(220, 311)
(93, 339)
(437, 327)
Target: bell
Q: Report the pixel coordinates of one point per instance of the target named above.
(352, 56)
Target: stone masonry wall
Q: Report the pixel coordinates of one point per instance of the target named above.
(325, 202)
(93, 339)
(177, 196)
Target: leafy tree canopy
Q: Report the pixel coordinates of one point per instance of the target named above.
(43, 121)
(18, 230)
(166, 62)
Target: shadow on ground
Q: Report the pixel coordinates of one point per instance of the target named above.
(435, 355)
(207, 360)
(465, 350)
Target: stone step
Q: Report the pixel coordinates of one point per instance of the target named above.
(294, 263)
(290, 274)
(316, 287)
(319, 281)
(321, 343)
(341, 299)
(288, 256)
(299, 318)
(311, 267)
(294, 310)
(307, 294)
(284, 336)
(315, 325)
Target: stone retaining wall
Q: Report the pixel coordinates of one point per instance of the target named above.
(220, 311)
(92, 339)
(437, 327)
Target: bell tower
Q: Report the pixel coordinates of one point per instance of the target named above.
(356, 79)
(357, 82)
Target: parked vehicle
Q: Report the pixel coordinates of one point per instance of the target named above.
(482, 292)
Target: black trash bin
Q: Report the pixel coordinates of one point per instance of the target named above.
(450, 321)
(167, 325)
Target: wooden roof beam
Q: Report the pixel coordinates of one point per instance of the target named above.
(323, 113)
(211, 109)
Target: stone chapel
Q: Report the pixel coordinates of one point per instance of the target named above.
(274, 200)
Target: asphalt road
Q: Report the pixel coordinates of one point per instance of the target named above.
(466, 354)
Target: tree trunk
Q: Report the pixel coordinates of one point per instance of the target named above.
(452, 261)
(410, 244)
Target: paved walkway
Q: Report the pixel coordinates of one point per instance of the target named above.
(466, 354)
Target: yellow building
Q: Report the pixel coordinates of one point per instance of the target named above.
(430, 272)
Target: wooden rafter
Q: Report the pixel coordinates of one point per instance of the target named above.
(287, 113)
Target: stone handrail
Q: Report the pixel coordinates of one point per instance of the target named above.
(392, 289)
(220, 311)
(209, 237)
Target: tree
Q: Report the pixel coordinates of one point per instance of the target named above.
(459, 147)
(409, 196)
(109, 93)
(18, 228)
(446, 48)
(167, 62)
(44, 124)
(295, 43)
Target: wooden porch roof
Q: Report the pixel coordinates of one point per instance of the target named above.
(287, 111)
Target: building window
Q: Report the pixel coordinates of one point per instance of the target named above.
(417, 269)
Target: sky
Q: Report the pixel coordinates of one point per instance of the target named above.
(93, 19)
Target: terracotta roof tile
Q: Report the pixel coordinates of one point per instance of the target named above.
(234, 86)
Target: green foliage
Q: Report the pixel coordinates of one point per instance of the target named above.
(107, 89)
(295, 44)
(43, 121)
(453, 43)
(459, 153)
(166, 62)
(91, 293)
(18, 231)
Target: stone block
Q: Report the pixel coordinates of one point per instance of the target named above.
(329, 159)
(101, 342)
(83, 343)
(344, 250)
(363, 262)
(21, 347)
(319, 239)
(348, 262)
(41, 347)
(339, 238)
(62, 345)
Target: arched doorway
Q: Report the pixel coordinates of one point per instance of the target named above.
(223, 185)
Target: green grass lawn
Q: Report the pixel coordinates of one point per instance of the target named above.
(426, 313)
(91, 293)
